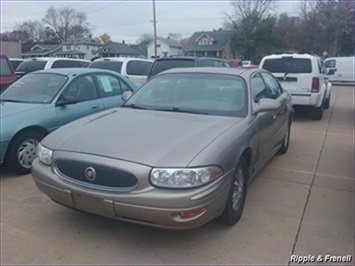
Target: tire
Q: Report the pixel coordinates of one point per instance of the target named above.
(327, 102)
(22, 151)
(286, 140)
(317, 112)
(234, 208)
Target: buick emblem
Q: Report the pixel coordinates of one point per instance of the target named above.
(90, 173)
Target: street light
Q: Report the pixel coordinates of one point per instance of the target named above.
(155, 31)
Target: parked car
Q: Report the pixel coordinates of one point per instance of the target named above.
(166, 63)
(15, 62)
(41, 102)
(7, 74)
(136, 69)
(40, 63)
(340, 69)
(304, 77)
(179, 153)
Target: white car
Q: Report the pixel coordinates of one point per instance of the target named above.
(340, 69)
(40, 63)
(304, 77)
(136, 69)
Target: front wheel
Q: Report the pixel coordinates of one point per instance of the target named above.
(22, 151)
(237, 193)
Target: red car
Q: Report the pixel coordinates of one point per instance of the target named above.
(7, 74)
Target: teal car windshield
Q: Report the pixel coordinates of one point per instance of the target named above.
(35, 88)
(211, 94)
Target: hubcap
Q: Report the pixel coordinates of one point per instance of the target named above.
(238, 190)
(27, 152)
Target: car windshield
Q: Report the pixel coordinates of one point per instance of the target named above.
(5, 69)
(288, 65)
(108, 65)
(34, 88)
(199, 93)
(162, 65)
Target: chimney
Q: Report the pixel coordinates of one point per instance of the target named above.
(123, 42)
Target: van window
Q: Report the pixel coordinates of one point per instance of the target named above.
(162, 65)
(108, 65)
(139, 68)
(330, 63)
(288, 65)
(5, 69)
(68, 63)
(32, 65)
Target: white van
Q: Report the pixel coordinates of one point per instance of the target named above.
(340, 69)
(136, 69)
(40, 63)
(304, 77)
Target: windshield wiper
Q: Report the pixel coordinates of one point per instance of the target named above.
(179, 110)
(132, 105)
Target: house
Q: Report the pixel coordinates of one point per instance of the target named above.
(83, 48)
(42, 50)
(209, 43)
(165, 47)
(116, 49)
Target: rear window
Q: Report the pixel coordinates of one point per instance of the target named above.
(68, 63)
(288, 65)
(162, 65)
(5, 69)
(30, 66)
(139, 68)
(108, 65)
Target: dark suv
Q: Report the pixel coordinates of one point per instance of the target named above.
(166, 63)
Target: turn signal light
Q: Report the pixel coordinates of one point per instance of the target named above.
(192, 213)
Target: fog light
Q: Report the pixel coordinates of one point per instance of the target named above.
(192, 213)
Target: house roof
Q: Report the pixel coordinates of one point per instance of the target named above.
(169, 42)
(117, 48)
(220, 40)
(46, 47)
(43, 49)
(70, 52)
(85, 41)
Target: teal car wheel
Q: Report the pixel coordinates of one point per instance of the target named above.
(23, 151)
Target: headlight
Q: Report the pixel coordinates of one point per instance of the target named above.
(44, 154)
(184, 177)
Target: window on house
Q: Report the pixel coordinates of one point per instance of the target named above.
(68, 47)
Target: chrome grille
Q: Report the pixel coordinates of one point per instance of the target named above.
(106, 176)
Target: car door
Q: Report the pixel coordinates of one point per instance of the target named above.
(83, 90)
(280, 116)
(111, 88)
(265, 121)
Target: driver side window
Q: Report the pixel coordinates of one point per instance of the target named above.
(82, 89)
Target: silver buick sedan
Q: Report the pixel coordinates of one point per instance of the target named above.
(179, 153)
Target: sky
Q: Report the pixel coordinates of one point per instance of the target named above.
(127, 20)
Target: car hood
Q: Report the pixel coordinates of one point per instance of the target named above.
(10, 108)
(151, 138)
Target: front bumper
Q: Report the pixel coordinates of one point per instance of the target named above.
(145, 205)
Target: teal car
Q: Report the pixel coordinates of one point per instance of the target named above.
(43, 101)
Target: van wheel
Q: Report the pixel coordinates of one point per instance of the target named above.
(327, 103)
(317, 112)
(237, 193)
(22, 152)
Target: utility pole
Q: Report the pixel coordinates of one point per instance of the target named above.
(155, 31)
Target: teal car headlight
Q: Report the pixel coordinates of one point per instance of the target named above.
(184, 177)
(44, 154)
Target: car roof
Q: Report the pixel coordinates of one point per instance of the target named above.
(214, 70)
(187, 58)
(276, 56)
(55, 59)
(120, 59)
(74, 71)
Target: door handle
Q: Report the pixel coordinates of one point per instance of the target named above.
(95, 107)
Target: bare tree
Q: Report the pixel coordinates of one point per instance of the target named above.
(31, 30)
(67, 22)
(260, 9)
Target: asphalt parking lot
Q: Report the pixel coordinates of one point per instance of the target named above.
(302, 203)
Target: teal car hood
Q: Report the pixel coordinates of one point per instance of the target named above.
(10, 108)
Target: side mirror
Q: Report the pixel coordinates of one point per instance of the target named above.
(20, 74)
(267, 105)
(126, 95)
(331, 71)
(65, 100)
